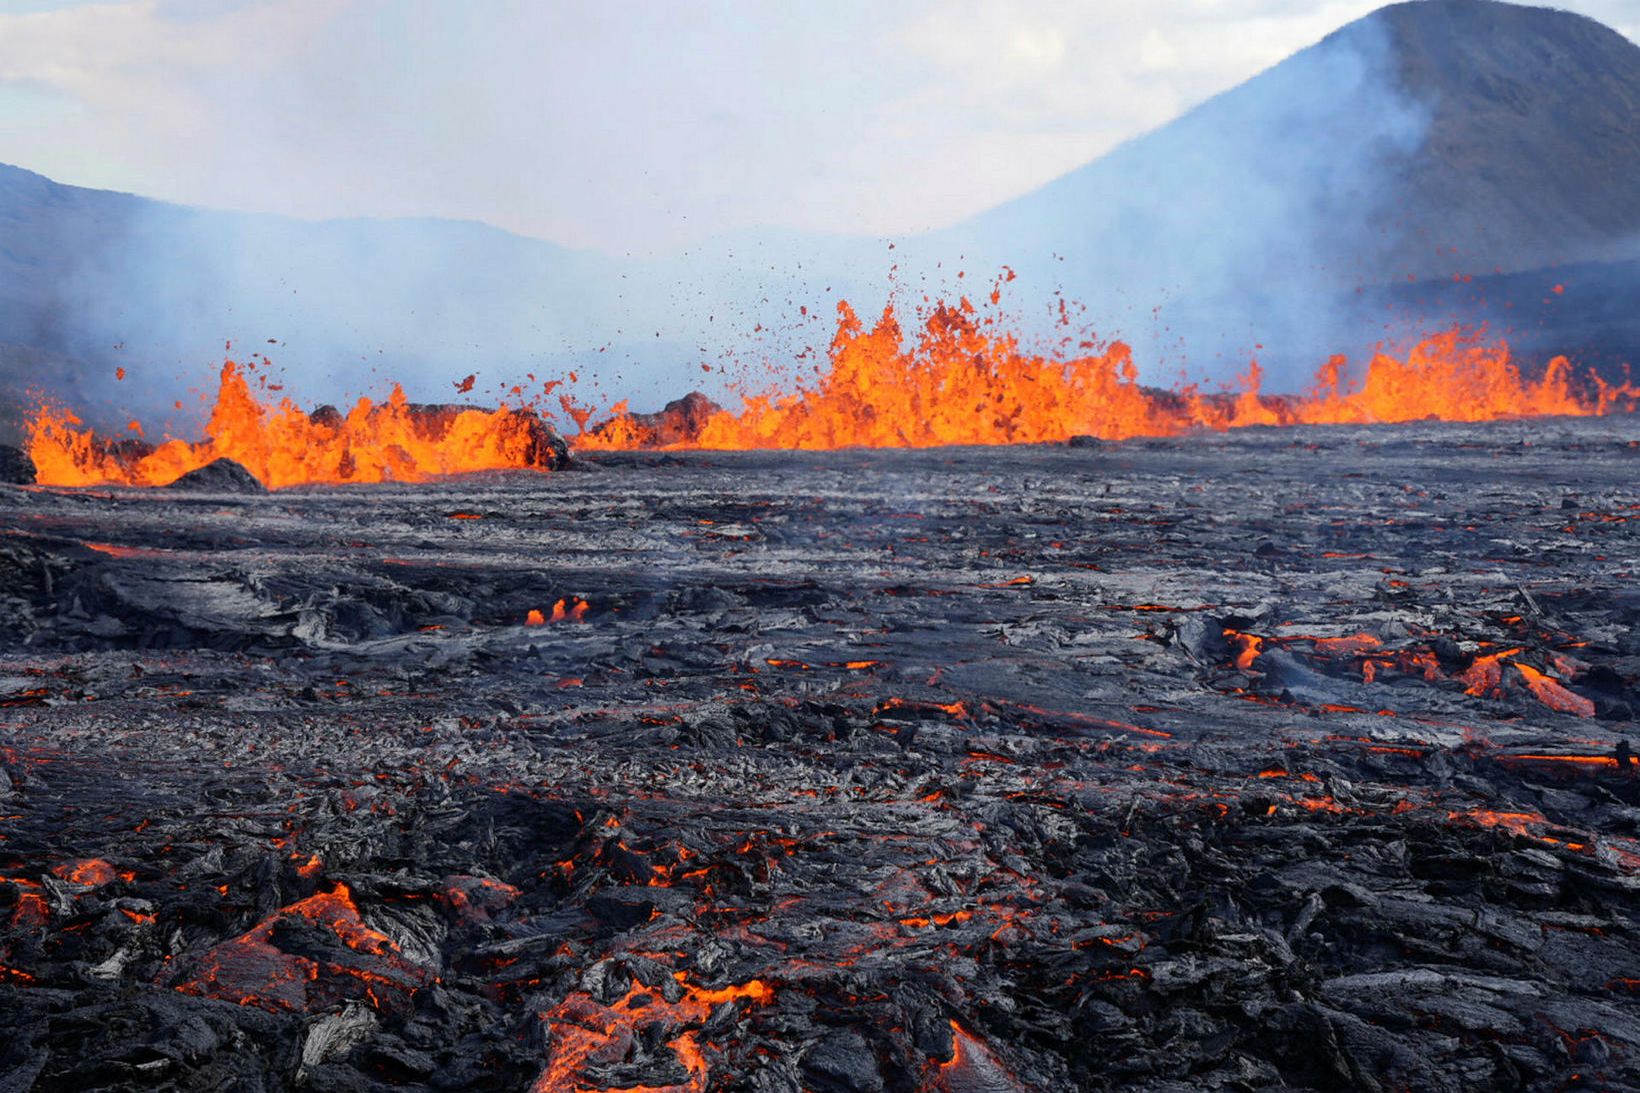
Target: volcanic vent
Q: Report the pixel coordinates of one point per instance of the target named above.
(959, 378)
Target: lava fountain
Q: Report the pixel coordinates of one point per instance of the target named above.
(960, 380)
(961, 383)
(393, 441)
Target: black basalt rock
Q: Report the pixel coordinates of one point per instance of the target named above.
(219, 476)
(16, 468)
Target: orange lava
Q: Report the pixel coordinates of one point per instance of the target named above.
(964, 383)
(1249, 646)
(29, 909)
(93, 872)
(571, 610)
(1517, 823)
(253, 970)
(474, 899)
(585, 1033)
(961, 380)
(972, 1068)
(1553, 695)
(283, 446)
(1484, 678)
(1347, 646)
(1486, 673)
(114, 550)
(1576, 760)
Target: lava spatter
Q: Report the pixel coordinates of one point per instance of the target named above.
(279, 443)
(960, 380)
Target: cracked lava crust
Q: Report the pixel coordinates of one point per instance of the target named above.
(1278, 758)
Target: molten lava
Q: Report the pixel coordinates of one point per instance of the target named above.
(354, 960)
(1552, 694)
(93, 872)
(283, 446)
(585, 1032)
(972, 1068)
(960, 382)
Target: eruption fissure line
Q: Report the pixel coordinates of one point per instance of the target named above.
(960, 382)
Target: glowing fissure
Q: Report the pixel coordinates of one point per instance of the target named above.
(284, 446)
(253, 969)
(960, 382)
(585, 1032)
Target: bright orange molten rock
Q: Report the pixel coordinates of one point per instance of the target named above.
(284, 446)
(960, 382)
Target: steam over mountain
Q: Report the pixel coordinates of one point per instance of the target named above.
(1429, 140)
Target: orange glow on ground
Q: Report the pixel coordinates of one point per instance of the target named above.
(93, 872)
(253, 970)
(1550, 692)
(586, 1033)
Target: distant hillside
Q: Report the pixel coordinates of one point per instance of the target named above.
(1533, 151)
(1459, 135)
(1425, 140)
(1588, 311)
(105, 279)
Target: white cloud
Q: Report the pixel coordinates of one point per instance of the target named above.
(143, 80)
(621, 123)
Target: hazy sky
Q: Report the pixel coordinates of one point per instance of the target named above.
(620, 124)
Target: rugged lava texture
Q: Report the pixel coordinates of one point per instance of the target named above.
(1238, 761)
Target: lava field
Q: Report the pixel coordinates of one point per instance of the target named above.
(1279, 758)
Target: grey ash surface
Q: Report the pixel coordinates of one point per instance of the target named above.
(947, 750)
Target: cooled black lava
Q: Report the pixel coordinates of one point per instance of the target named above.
(1278, 758)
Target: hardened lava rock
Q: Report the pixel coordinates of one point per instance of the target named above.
(1285, 759)
(219, 476)
(16, 468)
